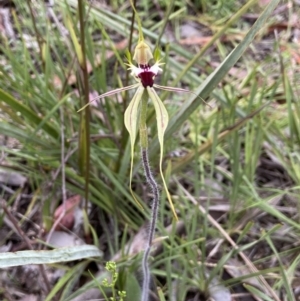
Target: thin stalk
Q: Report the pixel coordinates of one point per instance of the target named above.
(85, 88)
(155, 202)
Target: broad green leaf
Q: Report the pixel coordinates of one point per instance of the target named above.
(130, 120)
(162, 118)
(10, 259)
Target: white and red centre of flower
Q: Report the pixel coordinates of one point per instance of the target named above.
(146, 73)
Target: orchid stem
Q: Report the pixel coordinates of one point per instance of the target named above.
(155, 202)
(143, 119)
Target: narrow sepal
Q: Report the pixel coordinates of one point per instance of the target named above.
(173, 89)
(162, 118)
(130, 120)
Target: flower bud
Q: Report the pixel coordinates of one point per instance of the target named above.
(142, 53)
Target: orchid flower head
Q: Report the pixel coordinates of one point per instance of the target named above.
(144, 73)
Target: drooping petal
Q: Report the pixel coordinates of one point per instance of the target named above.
(130, 120)
(173, 89)
(162, 118)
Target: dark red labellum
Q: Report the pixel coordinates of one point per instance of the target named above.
(146, 76)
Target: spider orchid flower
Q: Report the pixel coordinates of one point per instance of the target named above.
(144, 74)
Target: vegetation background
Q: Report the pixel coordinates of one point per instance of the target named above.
(232, 165)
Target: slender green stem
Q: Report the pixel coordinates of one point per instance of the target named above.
(85, 88)
(143, 119)
(155, 203)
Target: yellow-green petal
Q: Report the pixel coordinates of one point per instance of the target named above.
(162, 118)
(130, 120)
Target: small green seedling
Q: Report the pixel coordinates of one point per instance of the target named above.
(111, 267)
